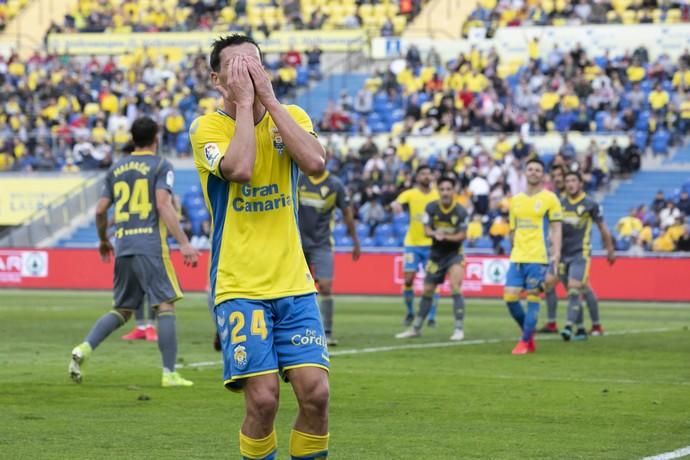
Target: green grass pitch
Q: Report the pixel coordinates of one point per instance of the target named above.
(622, 396)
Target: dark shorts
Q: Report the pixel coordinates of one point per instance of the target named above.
(438, 266)
(574, 268)
(138, 276)
(320, 261)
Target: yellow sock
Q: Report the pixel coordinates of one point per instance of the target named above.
(305, 446)
(259, 449)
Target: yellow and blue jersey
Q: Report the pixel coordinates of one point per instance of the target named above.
(255, 249)
(416, 202)
(529, 220)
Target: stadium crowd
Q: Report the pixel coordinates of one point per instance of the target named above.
(71, 113)
(661, 226)
(246, 16)
(491, 14)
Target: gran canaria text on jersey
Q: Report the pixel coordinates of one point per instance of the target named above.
(260, 199)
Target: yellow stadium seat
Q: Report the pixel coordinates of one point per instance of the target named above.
(349, 10)
(561, 5)
(437, 99)
(392, 9)
(337, 10)
(366, 11)
(559, 22)
(227, 14)
(397, 128)
(547, 6)
(399, 23)
(673, 16)
(656, 15)
(612, 17)
(487, 4)
(380, 10)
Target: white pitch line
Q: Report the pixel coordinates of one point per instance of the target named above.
(417, 346)
(679, 453)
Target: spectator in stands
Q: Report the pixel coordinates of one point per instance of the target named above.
(387, 29)
(479, 189)
(372, 212)
(314, 62)
(404, 151)
(368, 149)
(567, 149)
(364, 102)
(668, 215)
(683, 203)
(658, 99)
(659, 202)
(629, 227)
(475, 230)
(683, 243)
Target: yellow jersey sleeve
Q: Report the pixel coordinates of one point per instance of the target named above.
(404, 197)
(301, 118)
(555, 210)
(210, 140)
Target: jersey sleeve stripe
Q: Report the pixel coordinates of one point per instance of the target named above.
(218, 196)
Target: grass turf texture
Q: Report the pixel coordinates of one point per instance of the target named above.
(620, 396)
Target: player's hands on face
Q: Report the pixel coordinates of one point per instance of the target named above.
(105, 249)
(190, 255)
(262, 82)
(439, 236)
(238, 82)
(356, 251)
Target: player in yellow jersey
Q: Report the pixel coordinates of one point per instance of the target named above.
(535, 218)
(417, 244)
(249, 155)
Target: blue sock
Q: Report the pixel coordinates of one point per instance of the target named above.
(530, 323)
(434, 304)
(516, 311)
(408, 294)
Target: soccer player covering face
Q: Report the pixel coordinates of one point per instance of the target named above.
(579, 213)
(249, 155)
(558, 174)
(445, 222)
(319, 197)
(417, 243)
(535, 219)
(140, 185)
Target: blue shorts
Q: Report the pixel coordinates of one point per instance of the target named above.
(526, 276)
(415, 256)
(269, 336)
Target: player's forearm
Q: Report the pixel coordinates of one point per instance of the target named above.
(606, 236)
(238, 163)
(169, 215)
(348, 218)
(304, 149)
(102, 225)
(556, 239)
(457, 237)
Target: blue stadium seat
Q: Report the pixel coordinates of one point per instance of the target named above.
(642, 120)
(641, 139)
(400, 228)
(505, 244)
(339, 230)
(404, 218)
(302, 76)
(660, 141)
(182, 143)
(362, 230)
(391, 242)
(343, 241)
(368, 242)
(622, 245)
(599, 120)
(484, 243)
(383, 231)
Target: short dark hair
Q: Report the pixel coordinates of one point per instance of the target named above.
(450, 179)
(558, 168)
(574, 173)
(144, 131)
(421, 168)
(229, 40)
(537, 161)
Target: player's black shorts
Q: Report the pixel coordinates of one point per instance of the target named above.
(574, 268)
(320, 261)
(438, 266)
(140, 275)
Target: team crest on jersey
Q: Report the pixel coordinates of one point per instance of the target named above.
(537, 205)
(454, 220)
(580, 210)
(324, 190)
(240, 357)
(277, 141)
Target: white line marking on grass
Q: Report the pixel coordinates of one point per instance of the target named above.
(670, 455)
(417, 346)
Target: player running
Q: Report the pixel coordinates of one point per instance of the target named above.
(530, 213)
(319, 197)
(579, 212)
(551, 327)
(417, 243)
(445, 222)
(142, 258)
(249, 155)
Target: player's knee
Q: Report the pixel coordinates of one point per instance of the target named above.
(166, 307)
(262, 404)
(314, 401)
(125, 314)
(575, 285)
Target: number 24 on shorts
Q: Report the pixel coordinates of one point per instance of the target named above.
(258, 326)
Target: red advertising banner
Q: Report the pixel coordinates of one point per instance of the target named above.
(631, 278)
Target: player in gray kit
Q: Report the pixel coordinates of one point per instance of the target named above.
(579, 213)
(445, 222)
(140, 186)
(318, 199)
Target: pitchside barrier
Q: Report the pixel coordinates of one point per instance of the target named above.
(649, 278)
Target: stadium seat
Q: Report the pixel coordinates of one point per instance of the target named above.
(343, 241)
(484, 243)
(362, 230)
(182, 143)
(383, 231)
(660, 141)
(368, 242)
(641, 139)
(339, 230)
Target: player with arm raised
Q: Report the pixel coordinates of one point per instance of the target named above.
(417, 244)
(445, 222)
(140, 185)
(579, 213)
(319, 197)
(535, 219)
(249, 155)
